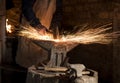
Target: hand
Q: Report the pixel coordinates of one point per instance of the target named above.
(41, 29)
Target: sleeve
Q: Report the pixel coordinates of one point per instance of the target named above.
(27, 11)
(9, 4)
(57, 18)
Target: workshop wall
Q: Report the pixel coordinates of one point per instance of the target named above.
(87, 11)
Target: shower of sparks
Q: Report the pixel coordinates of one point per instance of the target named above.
(83, 36)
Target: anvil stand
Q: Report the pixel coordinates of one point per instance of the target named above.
(58, 65)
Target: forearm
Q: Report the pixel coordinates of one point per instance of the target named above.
(27, 10)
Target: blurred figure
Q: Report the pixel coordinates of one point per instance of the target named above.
(41, 15)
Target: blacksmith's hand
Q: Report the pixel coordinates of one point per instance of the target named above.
(41, 29)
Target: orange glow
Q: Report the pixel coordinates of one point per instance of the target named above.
(8, 27)
(89, 36)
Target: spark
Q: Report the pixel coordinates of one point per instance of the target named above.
(8, 27)
(100, 35)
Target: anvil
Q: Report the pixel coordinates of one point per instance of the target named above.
(57, 53)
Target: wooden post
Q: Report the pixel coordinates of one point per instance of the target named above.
(2, 32)
(2, 28)
(116, 47)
